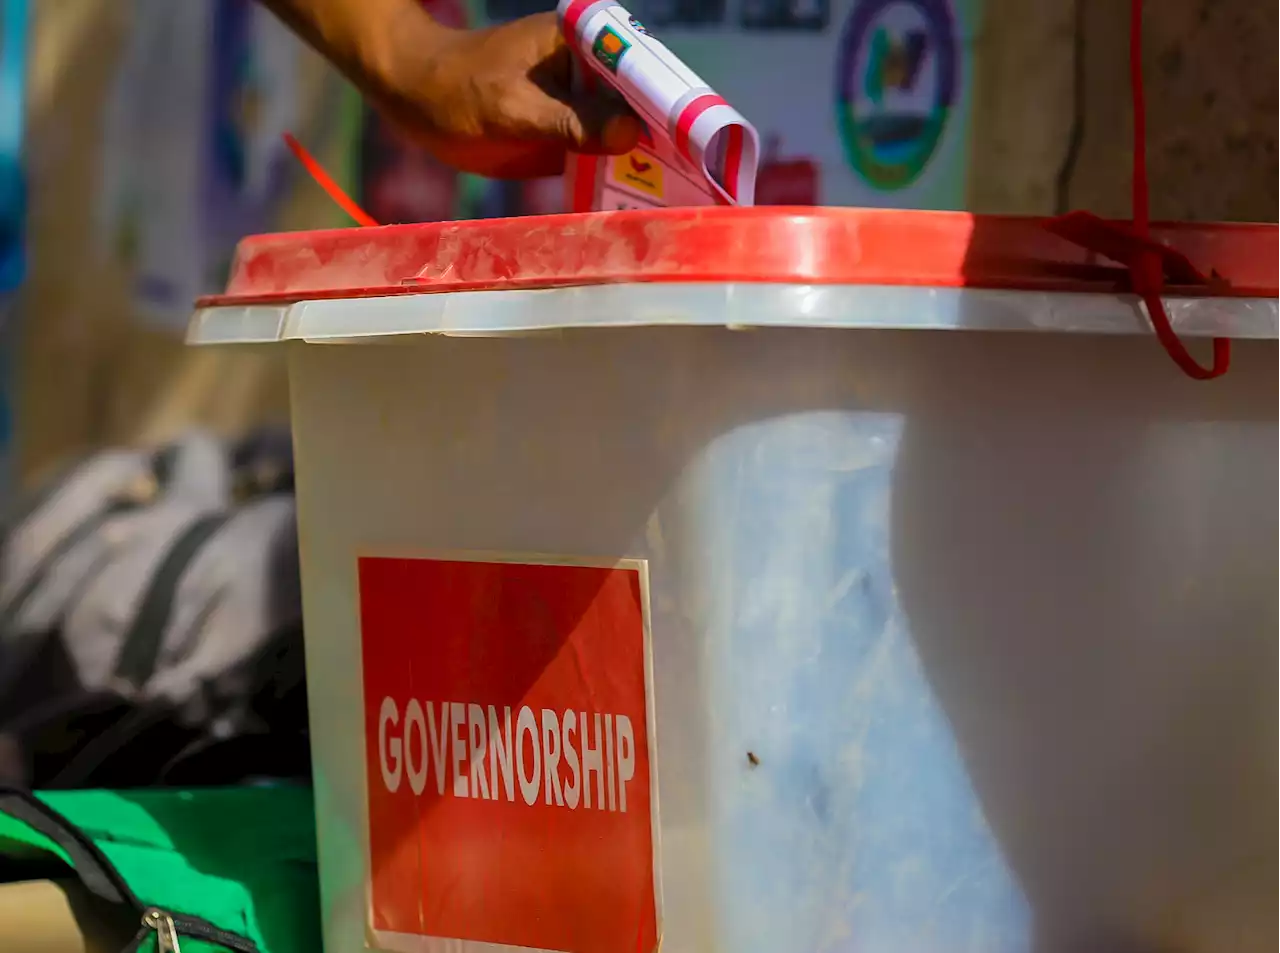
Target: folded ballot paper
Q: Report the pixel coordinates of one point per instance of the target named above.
(696, 149)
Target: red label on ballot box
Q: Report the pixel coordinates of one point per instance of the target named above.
(508, 755)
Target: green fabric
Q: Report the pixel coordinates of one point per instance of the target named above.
(242, 858)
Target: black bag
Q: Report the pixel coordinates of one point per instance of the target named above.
(71, 528)
(173, 653)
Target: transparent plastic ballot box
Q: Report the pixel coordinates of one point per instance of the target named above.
(768, 580)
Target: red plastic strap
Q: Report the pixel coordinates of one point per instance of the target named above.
(331, 188)
(1150, 263)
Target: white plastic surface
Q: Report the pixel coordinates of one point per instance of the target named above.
(996, 613)
(732, 305)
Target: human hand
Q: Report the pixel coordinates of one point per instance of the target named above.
(497, 101)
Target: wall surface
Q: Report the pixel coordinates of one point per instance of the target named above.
(1053, 124)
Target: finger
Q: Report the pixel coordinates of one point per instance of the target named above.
(595, 125)
(599, 123)
(608, 127)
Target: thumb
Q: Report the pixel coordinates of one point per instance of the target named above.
(595, 125)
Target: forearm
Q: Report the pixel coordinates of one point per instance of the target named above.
(365, 39)
(496, 101)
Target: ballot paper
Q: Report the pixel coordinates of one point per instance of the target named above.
(695, 149)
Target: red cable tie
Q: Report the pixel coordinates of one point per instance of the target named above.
(1121, 243)
(1147, 277)
(331, 188)
(1149, 262)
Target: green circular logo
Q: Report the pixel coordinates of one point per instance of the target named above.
(896, 78)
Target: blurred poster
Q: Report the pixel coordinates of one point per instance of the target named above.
(151, 146)
(192, 152)
(542, 196)
(865, 102)
(14, 38)
(400, 181)
(253, 100)
(902, 102)
(499, 11)
(785, 14)
(786, 180)
(14, 22)
(870, 98)
(681, 13)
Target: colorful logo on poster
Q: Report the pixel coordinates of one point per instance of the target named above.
(609, 48)
(640, 171)
(896, 79)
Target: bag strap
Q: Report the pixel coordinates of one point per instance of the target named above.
(137, 663)
(22, 669)
(241, 759)
(100, 876)
(39, 742)
(91, 523)
(97, 873)
(142, 642)
(125, 499)
(129, 752)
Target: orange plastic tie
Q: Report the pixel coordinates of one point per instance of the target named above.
(1149, 262)
(331, 188)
